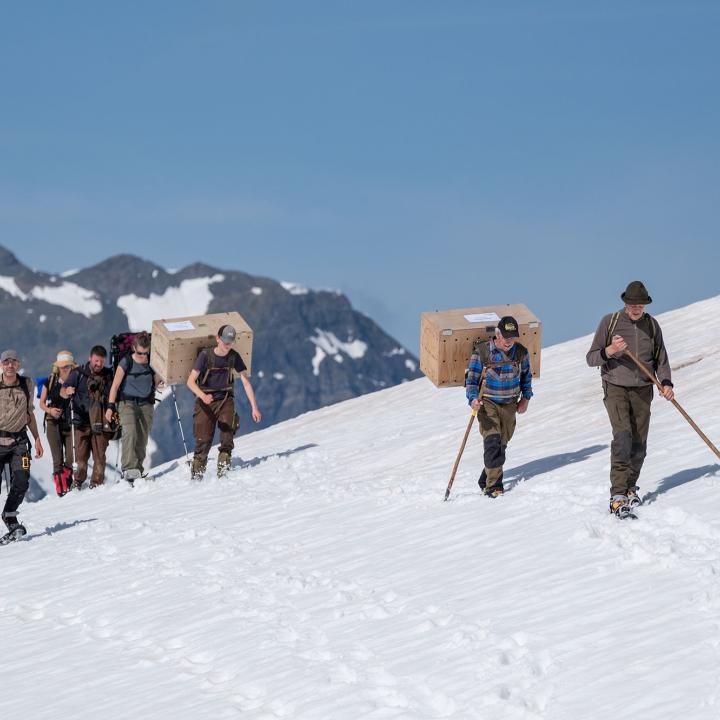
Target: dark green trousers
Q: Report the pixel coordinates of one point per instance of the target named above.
(629, 411)
(497, 425)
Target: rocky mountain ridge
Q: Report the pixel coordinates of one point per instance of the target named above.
(311, 348)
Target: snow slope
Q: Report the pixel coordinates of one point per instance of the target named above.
(325, 578)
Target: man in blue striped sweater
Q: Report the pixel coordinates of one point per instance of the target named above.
(498, 384)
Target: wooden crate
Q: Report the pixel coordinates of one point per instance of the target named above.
(177, 341)
(447, 338)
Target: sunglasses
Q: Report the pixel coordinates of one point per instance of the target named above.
(137, 352)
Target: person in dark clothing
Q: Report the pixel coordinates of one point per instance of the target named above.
(627, 391)
(16, 415)
(88, 388)
(57, 421)
(132, 395)
(212, 382)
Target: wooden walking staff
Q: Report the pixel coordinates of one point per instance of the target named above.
(639, 363)
(459, 455)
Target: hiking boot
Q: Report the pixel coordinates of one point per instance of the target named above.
(482, 482)
(60, 489)
(494, 492)
(131, 476)
(197, 469)
(619, 505)
(633, 496)
(223, 463)
(15, 532)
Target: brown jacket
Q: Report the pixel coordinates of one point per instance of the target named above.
(620, 368)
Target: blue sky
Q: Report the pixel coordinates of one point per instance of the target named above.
(416, 155)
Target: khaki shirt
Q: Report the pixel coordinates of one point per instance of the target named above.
(15, 409)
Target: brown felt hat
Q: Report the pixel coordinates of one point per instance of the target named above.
(636, 294)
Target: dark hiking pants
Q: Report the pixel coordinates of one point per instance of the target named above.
(629, 411)
(497, 425)
(60, 441)
(87, 442)
(12, 456)
(220, 413)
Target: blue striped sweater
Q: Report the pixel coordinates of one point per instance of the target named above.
(504, 383)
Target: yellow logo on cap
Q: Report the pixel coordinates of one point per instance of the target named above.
(510, 326)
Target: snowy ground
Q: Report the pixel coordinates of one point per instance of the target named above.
(325, 577)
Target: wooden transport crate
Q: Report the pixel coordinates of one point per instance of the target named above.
(177, 341)
(447, 338)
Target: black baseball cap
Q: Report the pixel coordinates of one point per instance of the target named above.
(508, 327)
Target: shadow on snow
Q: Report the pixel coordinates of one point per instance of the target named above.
(244, 464)
(59, 528)
(548, 464)
(679, 478)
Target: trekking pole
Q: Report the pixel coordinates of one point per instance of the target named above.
(652, 377)
(459, 455)
(177, 414)
(72, 433)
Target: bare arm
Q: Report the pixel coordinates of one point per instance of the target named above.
(32, 424)
(51, 411)
(195, 388)
(117, 381)
(256, 414)
(112, 395)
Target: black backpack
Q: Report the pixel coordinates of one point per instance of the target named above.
(121, 345)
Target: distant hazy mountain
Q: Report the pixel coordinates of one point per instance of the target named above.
(311, 348)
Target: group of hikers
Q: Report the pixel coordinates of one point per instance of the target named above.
(498, 385)
(86, 406)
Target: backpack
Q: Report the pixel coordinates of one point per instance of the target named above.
(39, 382)
(210, 357)
(653, 334)
(121, 345)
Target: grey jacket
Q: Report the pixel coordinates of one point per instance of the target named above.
(620, 368)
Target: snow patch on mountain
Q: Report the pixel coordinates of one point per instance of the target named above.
(395, 351)
(327, 344)
(68, 295)
(294, 288)
(191, 297)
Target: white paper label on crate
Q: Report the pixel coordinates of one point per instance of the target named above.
(182, 325)
(482, 318)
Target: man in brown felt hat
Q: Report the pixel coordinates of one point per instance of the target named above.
(628, 392)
